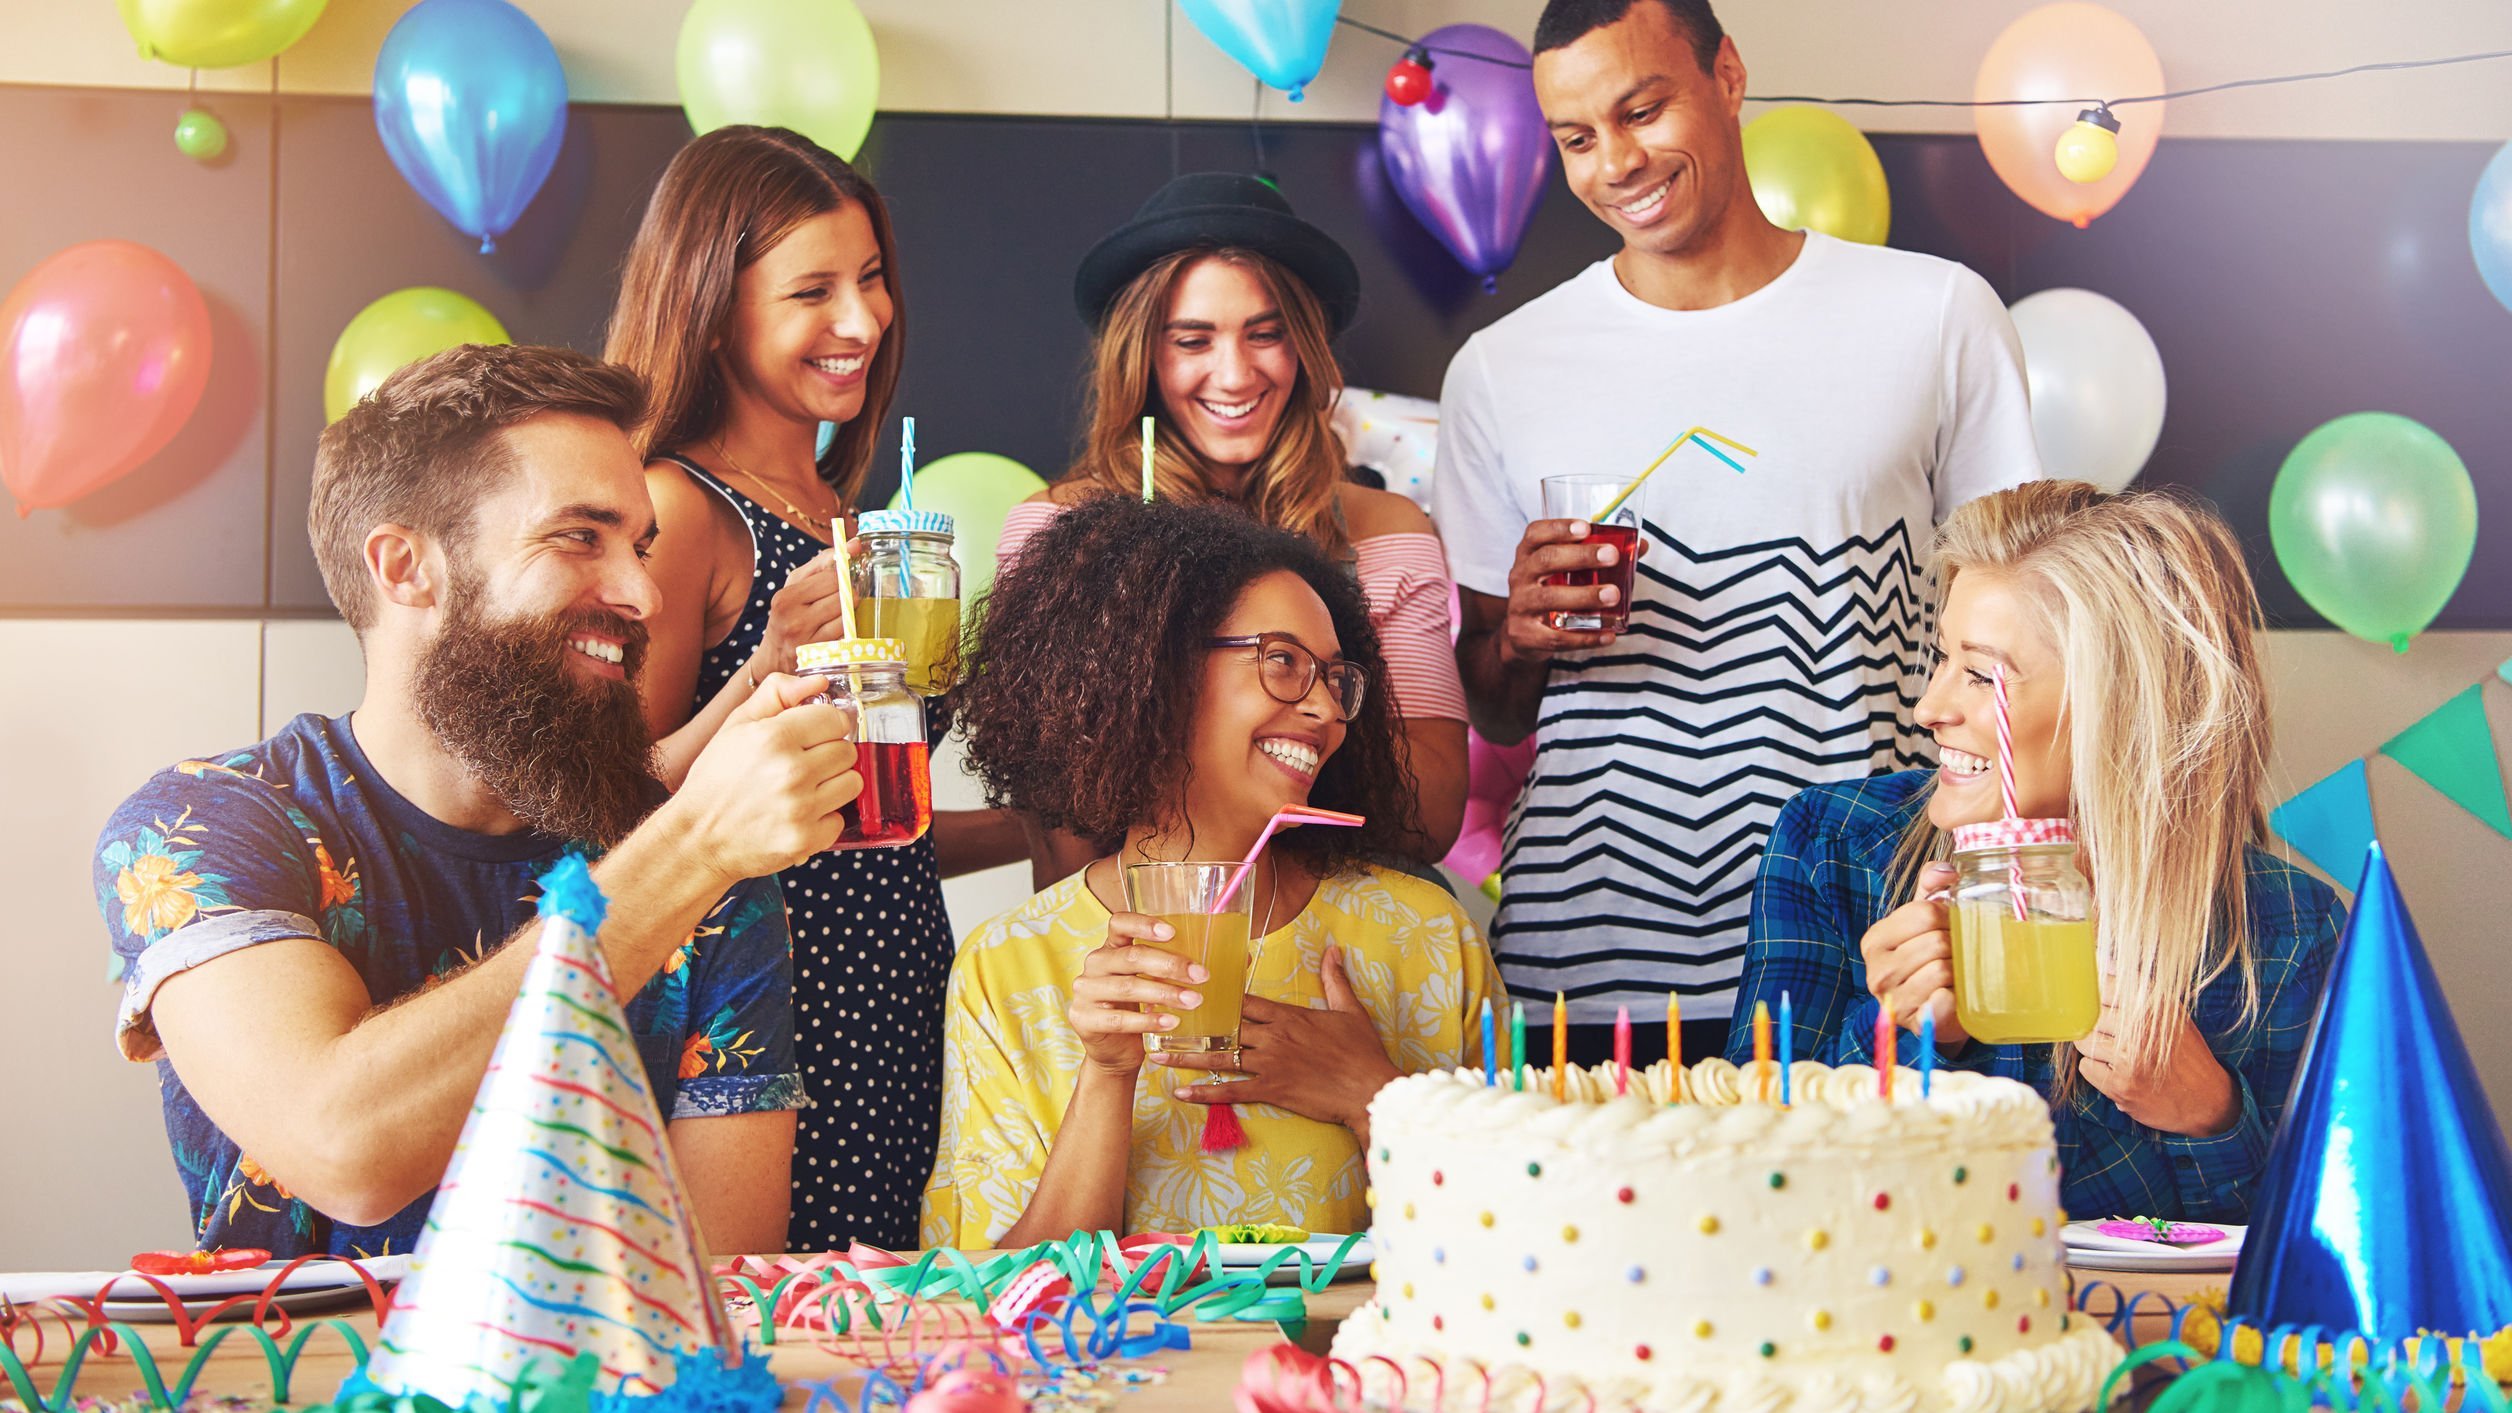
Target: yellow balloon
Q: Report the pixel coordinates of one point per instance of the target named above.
(809, 65)
(2086, 153)
(217, 34)
(1811, 168)
(396, 331)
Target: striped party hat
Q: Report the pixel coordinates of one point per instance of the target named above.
(561, 1228)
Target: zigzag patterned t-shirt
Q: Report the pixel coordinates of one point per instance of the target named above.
(1774, 640)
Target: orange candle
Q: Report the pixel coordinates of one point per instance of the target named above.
(1561, 1045)
(1674, 1042)
(1762, 1046)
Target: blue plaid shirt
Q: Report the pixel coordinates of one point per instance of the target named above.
(1824, 882)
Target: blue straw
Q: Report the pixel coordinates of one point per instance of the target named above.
(907, 492)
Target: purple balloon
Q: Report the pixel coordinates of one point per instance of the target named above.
(1472, 160)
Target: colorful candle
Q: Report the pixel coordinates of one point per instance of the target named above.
(1927, 1050)
(1622, 1051)
(1674, 1044)
(1491, 1049)
(1762, 1046)
(1886, 1036)
(1561, 1045)
(1787, 1047)
(1517, 1042)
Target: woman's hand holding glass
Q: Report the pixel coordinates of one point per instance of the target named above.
(1320, 1064)
(1119, 978)
(1910, 959)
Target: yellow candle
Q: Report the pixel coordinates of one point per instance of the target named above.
(1561, 1044)
(1762, 1046)
(1674, 1042)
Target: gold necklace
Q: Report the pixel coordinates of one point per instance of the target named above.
(819, 524)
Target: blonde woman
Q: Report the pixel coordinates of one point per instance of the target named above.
(1213, 311)
(2127, 629)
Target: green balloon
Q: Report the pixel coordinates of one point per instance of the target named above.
(809, 65)
(1812, 169)
(199, 135)
(217, 34)
(2374, 520)
(395, 331)
(977, 489)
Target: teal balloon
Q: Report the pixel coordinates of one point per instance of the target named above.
(977, 489)
(2374, 521)
(199, 135)
(1282, 42)
(2490, 225)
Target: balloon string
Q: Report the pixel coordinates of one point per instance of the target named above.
(2378, 67)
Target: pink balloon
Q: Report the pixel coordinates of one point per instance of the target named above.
(2071, 51)
(1494, 776)
(104, 352)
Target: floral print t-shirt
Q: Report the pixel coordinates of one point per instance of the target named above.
(1009, 1059)
(299, 836)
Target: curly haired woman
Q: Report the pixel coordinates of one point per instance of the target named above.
(1159, 680)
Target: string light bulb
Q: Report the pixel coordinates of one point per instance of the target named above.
(2089, 149)
(1408, 80)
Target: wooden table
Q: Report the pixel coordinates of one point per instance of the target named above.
(1199, 1379)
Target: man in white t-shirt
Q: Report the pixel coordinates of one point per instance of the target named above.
(1774, 631)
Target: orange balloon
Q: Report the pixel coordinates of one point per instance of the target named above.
(2069, 53)
(104, 352)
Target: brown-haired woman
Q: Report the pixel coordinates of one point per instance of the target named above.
(760, 300)
(1213, 310)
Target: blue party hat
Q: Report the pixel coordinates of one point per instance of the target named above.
(2384, 1206)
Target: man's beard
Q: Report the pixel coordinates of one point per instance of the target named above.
(570, 755)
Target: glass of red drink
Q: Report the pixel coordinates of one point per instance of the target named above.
(1579, 498)
(868, 676)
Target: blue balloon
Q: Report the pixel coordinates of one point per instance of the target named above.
(2490, 225)
(472, 105)
(1282, 42)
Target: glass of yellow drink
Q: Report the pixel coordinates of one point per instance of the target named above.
(1183, 896)
(929, 629)
(906, 583)
(2023, 934)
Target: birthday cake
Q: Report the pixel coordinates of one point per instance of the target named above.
(1844, 1252)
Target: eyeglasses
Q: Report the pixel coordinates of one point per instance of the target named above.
(1290, 671)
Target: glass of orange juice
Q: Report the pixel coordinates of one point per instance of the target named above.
(2022, 922)
(1184, 895)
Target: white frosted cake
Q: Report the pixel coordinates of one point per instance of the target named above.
(1722, 1252)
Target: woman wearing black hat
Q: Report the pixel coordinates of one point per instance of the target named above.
(1214, 308)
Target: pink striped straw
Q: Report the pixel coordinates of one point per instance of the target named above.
(2006, 779)
(1292, 815)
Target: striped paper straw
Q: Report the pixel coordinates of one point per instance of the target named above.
(2006, 779)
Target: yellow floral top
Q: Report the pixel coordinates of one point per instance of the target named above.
(1416, 961)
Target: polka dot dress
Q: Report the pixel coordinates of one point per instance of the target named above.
(872, 951)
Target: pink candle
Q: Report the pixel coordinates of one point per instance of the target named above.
(1622, 1050)
(1886, 1036)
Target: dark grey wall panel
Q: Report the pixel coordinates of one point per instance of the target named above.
(2286, 283)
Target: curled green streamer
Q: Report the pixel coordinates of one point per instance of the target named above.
(281, 1361)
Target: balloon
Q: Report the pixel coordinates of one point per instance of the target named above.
(809, 65)
(104, 351)
(1282, 42)
(2490, 225)
(1494, 776)
(398, 330)
(1472, 160)
(2097, 386)
(217, 34)
(2374, 519)
(472, 106)
(2066, 53)
(199, 135)
(1811, 168)
(977, 489)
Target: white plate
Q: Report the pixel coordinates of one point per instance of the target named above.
(2089, 1250)
(129, 1292)
(1247, 1255)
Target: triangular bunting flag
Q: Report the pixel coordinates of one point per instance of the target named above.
(2505, 671)
(2453, 750)
(2330, 823)
(562, 1227)
(2384, 1204)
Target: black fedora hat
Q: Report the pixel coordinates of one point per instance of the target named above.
(1213, 210)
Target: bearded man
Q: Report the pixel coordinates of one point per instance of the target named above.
(319, 936)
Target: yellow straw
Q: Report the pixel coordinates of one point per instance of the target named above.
(1148, 424)
(1672, 447)
(845, 583)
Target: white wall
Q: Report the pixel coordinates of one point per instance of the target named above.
(1142, 58)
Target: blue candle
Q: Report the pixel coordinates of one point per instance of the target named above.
(1490, 1047)
(1927, 1050)
(1787, 1047)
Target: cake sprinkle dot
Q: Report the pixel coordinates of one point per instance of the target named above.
(1408, 1290)
(1437, 1323)
(1534, 1170)
(1987, 1233)
(2040, 1227)
(1528, 1263)
(1570, 1319)
(1487, 1301)
(1570, 1234)
(1624, 1195)
(1817, 1239)
(1883, 1201)
(1963, 1344)
(1635, 1275)
(1927, 1238)
(2014, 1192)
(1382, 1155)
(1769, 1350)
(2023, 1325)
(1408, 1211)
(1926, 1310)
(1523, 1339)
(1761, 1275)
(1485, 1218)
(1642, 1352)
(1954, 1276)
(1439, 1255)
(1961, 1176)
(1885, 1344)
(1822, 1319)
(1701, 1328)
(1709, 1226)
(1880, 1276)
(1779, 1180)
(1988, 1298)
(2041, 1297)
(1438, 1178)
(2019, 1260)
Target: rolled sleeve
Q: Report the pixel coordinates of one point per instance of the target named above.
(2213, 1173)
